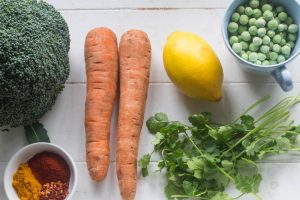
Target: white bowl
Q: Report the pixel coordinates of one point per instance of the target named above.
(24, 154)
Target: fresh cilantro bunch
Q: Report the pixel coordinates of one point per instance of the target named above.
(201, 159)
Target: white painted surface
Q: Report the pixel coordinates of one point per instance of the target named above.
(158, 18)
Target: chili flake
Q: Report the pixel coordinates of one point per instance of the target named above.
(54, 191)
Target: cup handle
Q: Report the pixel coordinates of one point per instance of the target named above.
(283, 78)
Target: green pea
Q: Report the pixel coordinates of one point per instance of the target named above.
(257, 41)
(271, 33)
(258, 62)
(245, 56)
(282, 16)
(266, 39)
(253, 47)
(276, 48)
(253, 57)
(260, 23)
(271, 45)
(235, 17)
(233, 39)
(265, 62)
(252, 22)
(261, 56)
(246, 36)
(280, 9)
(289, 21)
(254, 3)
(287, 56)
(257, 13)
(265, 49)
(282, 27)
(292, 37)
(273, 24)
(277, 39)
(242, 28)
(280, 58)
(283, 34)
(273, 55)
(266, 7)
(244, 19)
(248, 11)
(241, 10)
(233, 27)
(237, 47)
(268, 15)
(293, 28)
(273, 62)
(261, 32)
(253, 30)
(291, 44)
(283, 42)
(245, 45)
(286, 50)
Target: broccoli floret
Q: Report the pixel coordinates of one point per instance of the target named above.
(34, 63)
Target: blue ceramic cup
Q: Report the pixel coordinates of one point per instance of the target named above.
(278, 71)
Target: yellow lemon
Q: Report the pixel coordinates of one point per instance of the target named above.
(193, 66)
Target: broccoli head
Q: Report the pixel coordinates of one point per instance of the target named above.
(34, 62)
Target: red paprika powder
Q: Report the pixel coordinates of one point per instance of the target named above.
(49, 167)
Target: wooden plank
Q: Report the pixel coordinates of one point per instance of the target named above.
(280, 181)
(66, 128)
(133, 4)
(147, 20)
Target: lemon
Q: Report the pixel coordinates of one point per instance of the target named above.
(193, 66)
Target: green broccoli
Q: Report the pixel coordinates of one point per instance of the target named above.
(34, 63)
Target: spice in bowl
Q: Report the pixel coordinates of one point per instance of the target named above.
(45, 176)
(262, 33)
(25, 184)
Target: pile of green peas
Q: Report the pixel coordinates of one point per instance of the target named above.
(262, 33)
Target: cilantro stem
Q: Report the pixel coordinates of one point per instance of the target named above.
(257, 196)
(295, 149)
(239, 196)
(225, 173)
(263, 99)
(196, 147)
(288, 102)
(216, 165)
(273, 119)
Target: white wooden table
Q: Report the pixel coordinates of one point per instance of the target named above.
(158, 18)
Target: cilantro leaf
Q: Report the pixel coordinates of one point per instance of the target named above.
(252, 149)
(248, 184)
(156, 122)
(188, 187)
(246, 167)
(247, 121)
(200, 120)
(283, 144)
(158, 138)
(144, 163)
(172, 189)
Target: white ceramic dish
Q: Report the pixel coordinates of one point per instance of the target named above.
(24, 154)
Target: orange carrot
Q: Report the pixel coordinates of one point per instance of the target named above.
(135, 59)
(101, 57)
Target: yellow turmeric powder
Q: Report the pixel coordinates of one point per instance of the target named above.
(25, 184)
